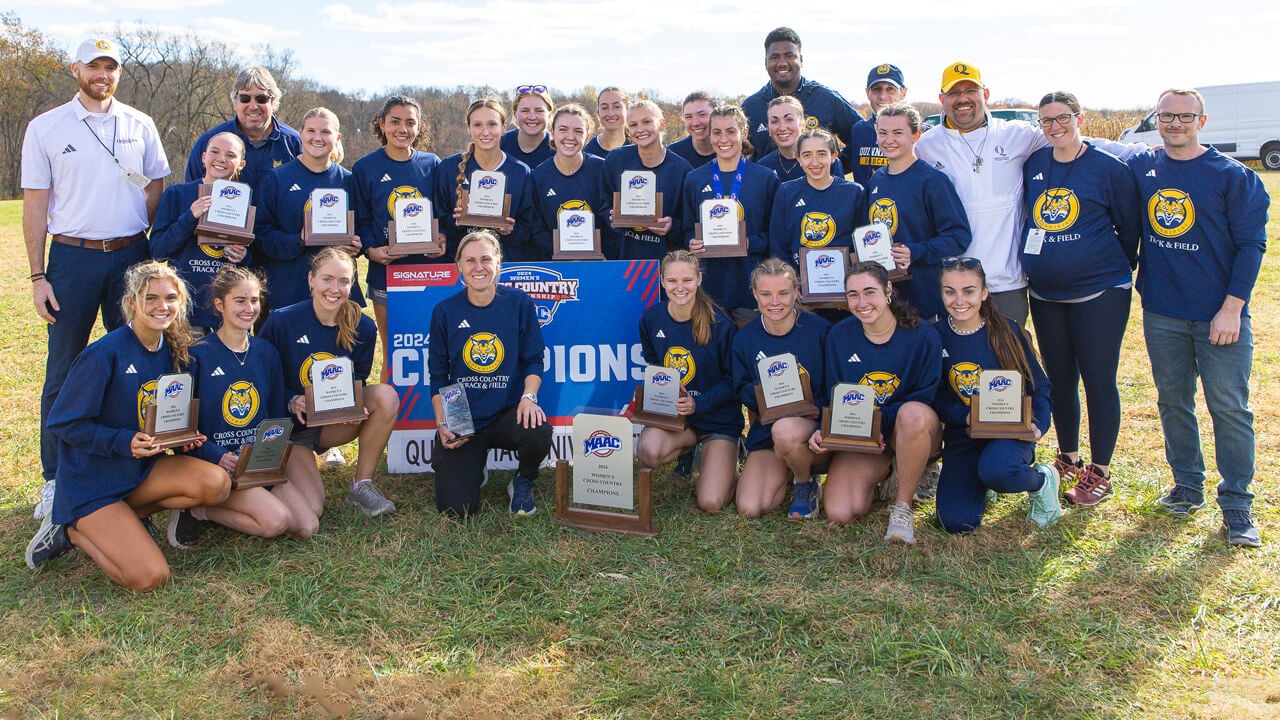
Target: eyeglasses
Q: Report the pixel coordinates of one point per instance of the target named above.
(968, 263)
(1184, 118)
(1063, 120)
(526, 89)
(963, 92)
(261, 99)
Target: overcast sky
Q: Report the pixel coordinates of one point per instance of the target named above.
(1112, 53)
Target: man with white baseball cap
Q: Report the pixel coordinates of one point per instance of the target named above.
(93, 170)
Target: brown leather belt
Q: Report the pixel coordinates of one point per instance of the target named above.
(103, 245)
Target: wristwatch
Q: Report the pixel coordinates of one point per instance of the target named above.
(531, 396)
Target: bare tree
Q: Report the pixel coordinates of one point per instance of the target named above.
(34, 77)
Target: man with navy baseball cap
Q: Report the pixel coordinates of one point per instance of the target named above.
(885, 86)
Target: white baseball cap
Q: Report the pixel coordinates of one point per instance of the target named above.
(95, 48)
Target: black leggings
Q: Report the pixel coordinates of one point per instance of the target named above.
(460, 472)
(1082, 340)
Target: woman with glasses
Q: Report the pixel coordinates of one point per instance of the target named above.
(529, 142)
(612, 107)
(976, 337)
(884, 346)
(1080, 245)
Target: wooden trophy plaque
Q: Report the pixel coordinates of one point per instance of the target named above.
(601, 477)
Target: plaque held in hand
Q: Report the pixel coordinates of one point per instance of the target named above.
(485, 202)
(335, 395)
(457, 410)
(783, 391)
(655, 400)
(262, 463)
(413, 229)
(172, 414)
(229, 220)
(327, 219)
(638, 203)
(1001, 408)
(852, 421)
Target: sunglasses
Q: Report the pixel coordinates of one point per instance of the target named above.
(968, 263)
(261, 99)
(526, 89)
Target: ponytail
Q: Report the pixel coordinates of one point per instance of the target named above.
(704, 309)
(1004, 340)
(349, 313)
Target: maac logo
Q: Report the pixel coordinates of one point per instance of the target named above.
(328, 200)
(1056, 209)
(816, 229)
(146, 396)
(853, 398)
(576, 220)
(719, 210)
(871, 237)
(884, 383)
(662, 379)
(999, 384)
(482, 352)
(413, 209)
(403, 192)
(173, 389)
(545, 287)
(230, 192)
(452, 394)
(273, 432)
(304, 372)
(487, 182)
(884, 211)
(1171, 213)
(963, 378)
(239, 403)
(679, 359)
(776, 368)
(637, 182)
(601, 444)
(824, 260)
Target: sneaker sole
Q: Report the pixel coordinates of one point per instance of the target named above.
(1179, 511)
(1079, 503)
(370, 513)
(900, 539)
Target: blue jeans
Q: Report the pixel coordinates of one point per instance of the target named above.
(1180, 352)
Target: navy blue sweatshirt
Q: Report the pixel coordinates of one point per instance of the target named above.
(726, 280)
(905, 368)
(235, 397)
(510, 144)
(705, 370)
(517, 244)
(806, 340)
(554, 191)
(964, 359)
(803, 216)
(377, 181)
(638, 243)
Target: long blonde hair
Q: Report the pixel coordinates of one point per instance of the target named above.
(704, 312)
(349, 312)
(337, 153)
(178, 335)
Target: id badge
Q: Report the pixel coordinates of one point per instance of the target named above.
(136, 178)
(1035, 241)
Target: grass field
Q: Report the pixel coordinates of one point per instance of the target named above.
(1116, 612)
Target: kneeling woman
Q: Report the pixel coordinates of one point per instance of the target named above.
(330, 325)
(692, 336)
(885, 346)
(111, 475)
(241, 383)
(487, 338)
(977, 337)
(780, 449)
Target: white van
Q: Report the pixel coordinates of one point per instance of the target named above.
(1244, 122)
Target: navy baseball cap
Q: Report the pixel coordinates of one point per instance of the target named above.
(886, 73)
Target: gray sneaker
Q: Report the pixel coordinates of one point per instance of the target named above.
(366, 496)
(50, 541)
(44, 505)
(1045, 509)
(902, 524)
(928, 487)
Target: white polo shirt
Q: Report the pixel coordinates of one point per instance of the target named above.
(80, 158)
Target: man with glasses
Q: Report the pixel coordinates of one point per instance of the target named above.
(93, 170)
(823, 106)
(983, 156)
(268, 142)
(1204, 234)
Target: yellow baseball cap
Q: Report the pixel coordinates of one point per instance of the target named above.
(959, 71)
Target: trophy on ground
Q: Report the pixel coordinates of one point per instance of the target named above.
(602, 478)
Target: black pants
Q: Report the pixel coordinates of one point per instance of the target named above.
(460, 472)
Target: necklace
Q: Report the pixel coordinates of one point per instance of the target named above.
(882, 334)
(782, 163)
(951, 324)
(241, 356)
(977, 156)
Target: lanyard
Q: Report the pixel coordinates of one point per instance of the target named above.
(737, 179)
(115, 131)
(1070, 166)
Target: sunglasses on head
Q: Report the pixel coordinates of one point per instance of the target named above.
(526, 89)
(261, 99)
(968, 263)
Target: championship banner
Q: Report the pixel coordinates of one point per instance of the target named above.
(589, 313)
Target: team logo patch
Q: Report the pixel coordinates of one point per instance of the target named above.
(884, 383)
(816, 229)
(217, 252)
(601, 444)
(681, 360)
(963, 378)
(1171, 213)
(403, 192)
(810, 122)
(884, 210)
(146, 396)
(482, 352)
(582, 206)
(304, 372)
(239, 403)
(1056, 209)
(546, 288)
(882, 70)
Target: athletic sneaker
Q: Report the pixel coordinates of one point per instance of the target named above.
(684, 467)
(366, 496)
(333, 457)
(1044, 509)
(1181, 501)
(804, 500)
(520, 490)
(1067, 468)
(902, 524)
(183, 530)
(44, 505)
(49, 542)
(928, 487)
(1092, 487)
(1238, 526)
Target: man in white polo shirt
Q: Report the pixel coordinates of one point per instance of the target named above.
(93, 170)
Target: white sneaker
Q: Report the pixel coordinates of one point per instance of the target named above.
(902, 524)
(44, 505)
(333, 457)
